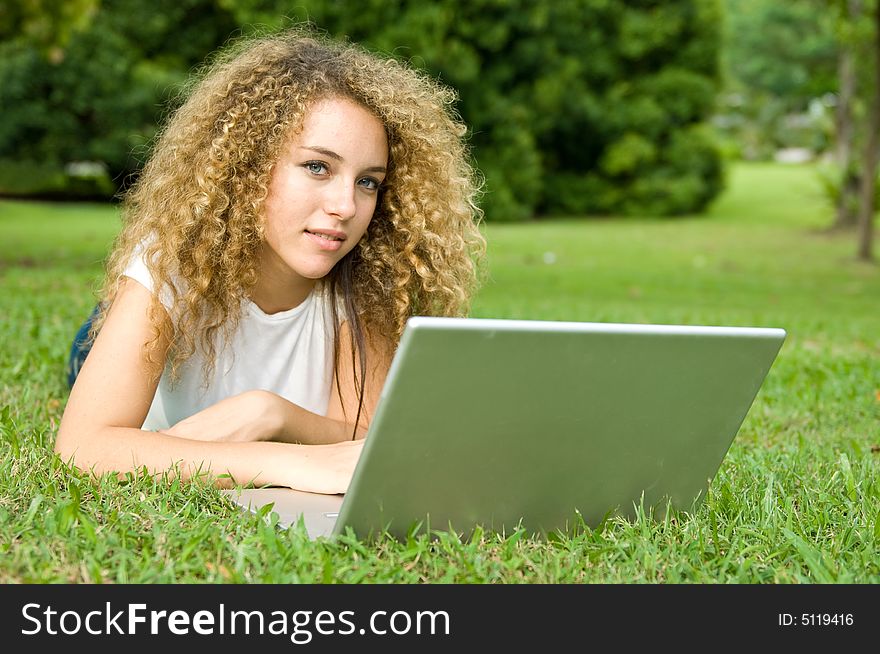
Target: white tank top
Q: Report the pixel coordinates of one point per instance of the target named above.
(289, 353)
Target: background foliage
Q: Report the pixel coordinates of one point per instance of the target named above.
(779, 62)
(90, 81)
(582, 106)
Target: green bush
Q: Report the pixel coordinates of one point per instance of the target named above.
(22, 178)
(582, 106)
(25, 178)
(587, 106)
(99, 95)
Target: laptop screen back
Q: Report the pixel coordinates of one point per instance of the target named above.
(502, 422)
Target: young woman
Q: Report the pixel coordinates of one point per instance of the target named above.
(305, 200)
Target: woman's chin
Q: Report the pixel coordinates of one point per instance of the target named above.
(315, 272)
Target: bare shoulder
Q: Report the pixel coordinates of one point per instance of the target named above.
(128, 326)
(115, 385)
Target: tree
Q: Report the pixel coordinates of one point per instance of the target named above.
(872, 143)
(858, 118)
(780, 56)
(847, 160)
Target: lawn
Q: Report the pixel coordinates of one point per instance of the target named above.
(797, 499)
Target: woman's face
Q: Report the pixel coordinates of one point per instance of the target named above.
(322, 195)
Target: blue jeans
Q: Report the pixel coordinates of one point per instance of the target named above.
(82, 344)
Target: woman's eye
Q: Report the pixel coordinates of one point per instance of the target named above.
(369, 183)
(315, 167)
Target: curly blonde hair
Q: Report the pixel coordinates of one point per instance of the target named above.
(197, 207)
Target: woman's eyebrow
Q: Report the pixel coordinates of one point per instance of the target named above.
(329, 153)
(324, 151)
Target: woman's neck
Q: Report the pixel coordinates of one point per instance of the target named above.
(275, 301)
(279, 290)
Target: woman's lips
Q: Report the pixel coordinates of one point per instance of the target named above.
(326, 239)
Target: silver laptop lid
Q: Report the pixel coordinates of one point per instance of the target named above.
(494, 422)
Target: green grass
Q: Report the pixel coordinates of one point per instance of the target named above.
(797, 499)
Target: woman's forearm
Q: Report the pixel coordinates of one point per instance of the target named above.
(298, 425)
(313, 468)
(124, 449)
(261, 416)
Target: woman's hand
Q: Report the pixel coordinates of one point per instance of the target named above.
(247, 417)
(321, 468)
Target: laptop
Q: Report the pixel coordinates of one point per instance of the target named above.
(539, 425)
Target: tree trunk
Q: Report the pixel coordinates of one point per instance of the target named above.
(869, 170)
(848, 200)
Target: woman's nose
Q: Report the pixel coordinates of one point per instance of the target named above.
(340, 200)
